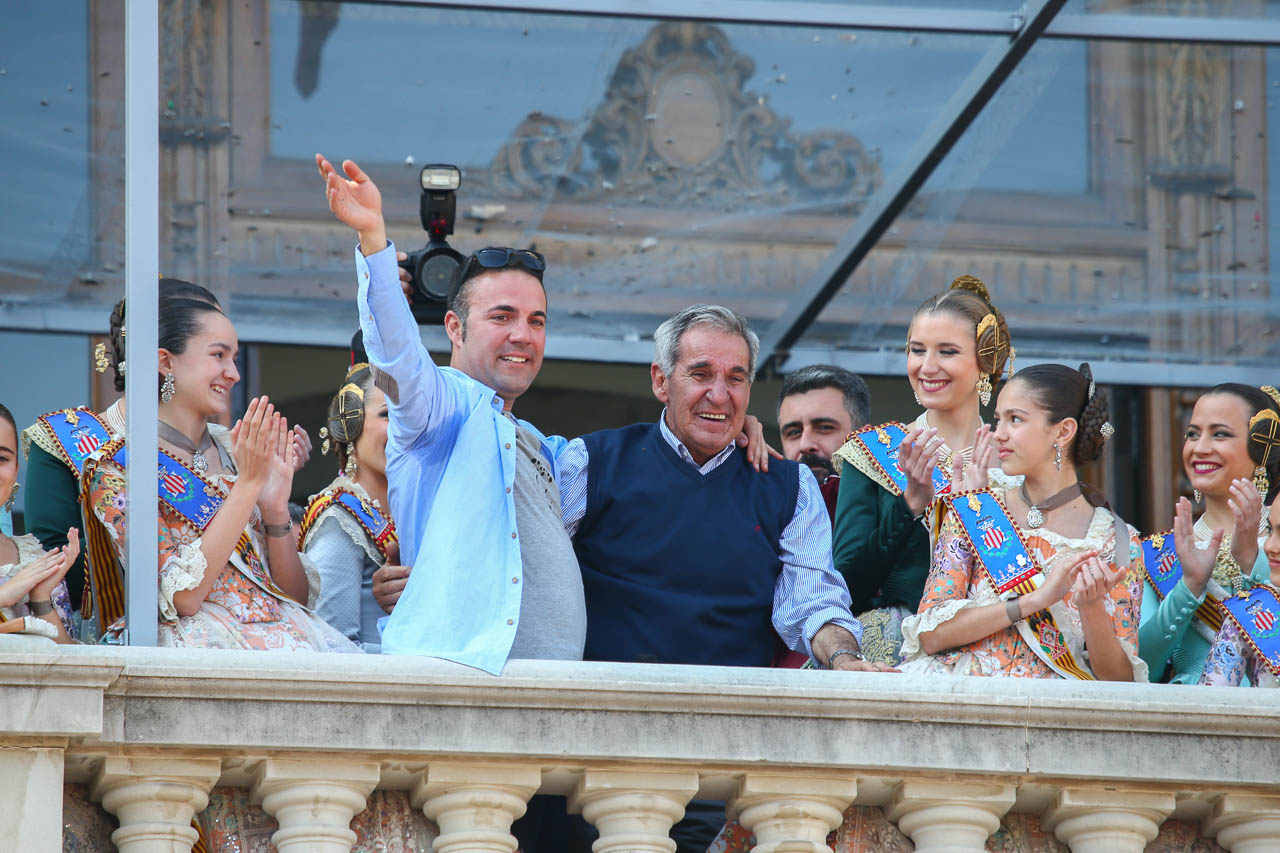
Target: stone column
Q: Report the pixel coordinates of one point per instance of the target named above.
(1098, 820)
(1245, 823)
(633, 809)
(474, 804)
(155, 798)
(31, 809)
(791, 812)
(314, 801)
(949, 817)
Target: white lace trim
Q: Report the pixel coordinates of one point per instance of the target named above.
(28, 549)
(180, 573)
(313, 580)
(1101, 529)
(113, 417)
(923, 623)
(349, 525)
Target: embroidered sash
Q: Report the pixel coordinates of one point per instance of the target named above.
(1163, 569)
(873, 450)
(104, 593)
(76, 434)
(377, 526)
(1002, 553)
(1257, 614)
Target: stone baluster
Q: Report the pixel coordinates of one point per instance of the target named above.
(475, 804)
(949, 817)
(314, 801)
(1098, 820)
(155, 798)
(633, 809)
(31, 808)
(1245, 823)
(791, 812)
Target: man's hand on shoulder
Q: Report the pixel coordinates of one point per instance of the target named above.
(356, 201)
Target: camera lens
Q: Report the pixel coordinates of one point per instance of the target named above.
(437, 273)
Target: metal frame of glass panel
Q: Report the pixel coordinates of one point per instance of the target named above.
(1038, 19)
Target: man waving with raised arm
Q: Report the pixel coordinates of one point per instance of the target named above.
(472, 488)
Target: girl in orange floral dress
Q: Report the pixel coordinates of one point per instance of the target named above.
(1082, 619)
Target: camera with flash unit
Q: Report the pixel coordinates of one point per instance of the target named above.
(432, 267)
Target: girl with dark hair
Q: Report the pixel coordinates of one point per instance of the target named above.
(230, 574)
(56, 447)
(33, 595)
(1231, 454)
(957, 347)
(346, 530)
(1025, 579)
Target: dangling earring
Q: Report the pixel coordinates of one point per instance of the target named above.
(167, 389)
(1057, 457)
(984, 388)
(916, 394)
(351, 462)
(1195, 493)
(1261, 481)
(8, 505)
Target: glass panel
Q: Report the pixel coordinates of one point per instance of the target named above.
(1197, 8)
(1118, 199)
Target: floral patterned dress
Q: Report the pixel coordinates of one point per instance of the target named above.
(957, 582)
(1232, 661)
(244, 610)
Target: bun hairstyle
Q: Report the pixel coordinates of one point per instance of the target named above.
(1065, 393)
(1263, 432)
(969, 300)
(169, 288)
(346, 414)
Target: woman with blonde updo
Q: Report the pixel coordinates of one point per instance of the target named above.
(346, 530)
(957, 347)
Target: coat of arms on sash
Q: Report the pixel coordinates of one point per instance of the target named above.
(876, 450)
(1257, 613)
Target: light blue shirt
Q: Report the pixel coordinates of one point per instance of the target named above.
(450, 469)
(809, 593)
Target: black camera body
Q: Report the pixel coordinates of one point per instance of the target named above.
(433, 266)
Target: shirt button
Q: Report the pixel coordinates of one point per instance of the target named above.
(515, 580)
(508, 490)
(513, 536)
(511, 621)
(507, 446)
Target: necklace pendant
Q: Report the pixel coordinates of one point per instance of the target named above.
(199, 463)
(1035, 518)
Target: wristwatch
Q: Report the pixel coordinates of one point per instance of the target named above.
(854, 653)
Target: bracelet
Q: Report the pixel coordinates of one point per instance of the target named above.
(854, 653)
(1013, 609)
(277, 531)
(40, 608)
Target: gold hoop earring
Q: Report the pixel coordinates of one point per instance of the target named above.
(167, 389)
(984, 389)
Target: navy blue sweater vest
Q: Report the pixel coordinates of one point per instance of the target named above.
(678, 567)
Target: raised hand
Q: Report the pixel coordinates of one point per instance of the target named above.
(249, 443)
(1094, 582)
(1246, 510)
(43, 590)
(51, 564)
(975, 475)
(354, 198)
(273, 500)
(752, 438)
(301, 447)
(917, 456)
(1058, 583)
(1197, 563)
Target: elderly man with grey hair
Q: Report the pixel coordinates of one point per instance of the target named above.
(688, 554)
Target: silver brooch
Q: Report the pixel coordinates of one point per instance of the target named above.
(1107, 430)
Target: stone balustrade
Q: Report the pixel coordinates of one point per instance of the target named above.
(151, 731)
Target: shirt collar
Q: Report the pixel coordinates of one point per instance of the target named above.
(683, 452)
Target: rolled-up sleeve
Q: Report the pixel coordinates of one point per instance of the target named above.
(810, 592)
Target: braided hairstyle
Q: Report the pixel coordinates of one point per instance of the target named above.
(346, 412)
(169, 288)
(1264, 409)
(1064, 393)
(968, 300)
